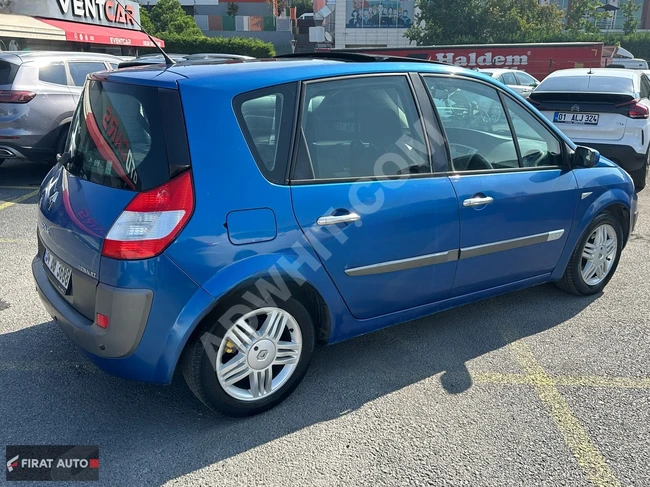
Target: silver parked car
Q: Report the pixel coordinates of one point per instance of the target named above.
(38, 95)
(519, 81)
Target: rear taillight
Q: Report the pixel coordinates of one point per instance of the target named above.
(635, 109)
(10, 96)
(151, 221)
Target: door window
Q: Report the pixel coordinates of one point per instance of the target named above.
(360, 127)
(526, 80)
(475, 123)
(645, 87)
(53, 73)
(79, 70)
(508, 79)
(538, 146)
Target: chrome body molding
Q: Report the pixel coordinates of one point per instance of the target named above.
(404, 264)
(451, 255)
(586, 194)
(514, 243)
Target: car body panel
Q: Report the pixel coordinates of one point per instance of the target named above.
(203, 267)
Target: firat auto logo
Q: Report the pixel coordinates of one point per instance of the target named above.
(110, 10)
(474, 59)
(13, 463)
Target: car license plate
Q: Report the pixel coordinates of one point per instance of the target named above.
(60, 271)
(579, 118)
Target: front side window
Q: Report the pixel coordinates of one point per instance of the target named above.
(53, 73)
(266, 118)
(360, 127)
(475, 123)
(79, 70)
(537, 145)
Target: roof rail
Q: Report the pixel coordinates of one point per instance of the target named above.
(355, 57)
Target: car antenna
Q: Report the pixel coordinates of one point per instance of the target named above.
(168, 61)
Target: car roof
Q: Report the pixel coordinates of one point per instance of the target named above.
(24, 56)
(609, 72)
(243, 76)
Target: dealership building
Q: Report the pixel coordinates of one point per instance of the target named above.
(108, 26)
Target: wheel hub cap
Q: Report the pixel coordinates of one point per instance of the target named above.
(599, 254)
(261, 355)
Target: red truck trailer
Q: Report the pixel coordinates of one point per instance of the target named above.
(537, 59)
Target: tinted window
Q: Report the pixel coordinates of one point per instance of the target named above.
(538, 147)
(53, 73)
(526, 79)
(475, 123)
(587, 84)
(7, 72)
(360, 127)
(508, 79)
(79, 70)
(645, 87)
(266, 118)
(117, 137)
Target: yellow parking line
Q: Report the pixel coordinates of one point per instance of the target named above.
(10, 240)
(17, 200)
(584, 450)
(17, 187)
(613, 382)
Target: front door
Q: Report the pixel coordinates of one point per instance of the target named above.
(516, 198)
(385, 228)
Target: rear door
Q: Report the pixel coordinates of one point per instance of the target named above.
(587, 108)
(384, 225)
(516, 198)
(117, 147)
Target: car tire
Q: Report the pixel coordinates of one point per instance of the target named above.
(639, 177)
(200, 362)
(591, 248)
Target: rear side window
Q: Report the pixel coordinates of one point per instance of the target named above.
(53, 73)
(7, 72)
(79, 70)
(508, 79)
(121, 136)
(266, 119)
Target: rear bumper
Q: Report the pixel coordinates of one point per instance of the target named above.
(623, 155)
(128, 310)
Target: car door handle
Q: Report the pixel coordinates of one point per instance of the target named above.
(336, 219)
(478, 201)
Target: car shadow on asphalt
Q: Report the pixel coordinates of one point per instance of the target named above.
(54, 395)
(23, 173)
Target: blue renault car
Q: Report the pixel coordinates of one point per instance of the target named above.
(221, 220)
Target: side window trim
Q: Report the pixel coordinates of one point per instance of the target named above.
(297, 133)
(511, 126)
(501, 93)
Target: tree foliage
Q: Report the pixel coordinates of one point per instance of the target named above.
(232, 9)
(168, 17)
(302, 6)
(629, 8)
(145, 22)
(584, 16)
(478, 21)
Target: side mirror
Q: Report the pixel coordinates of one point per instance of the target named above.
(585, 157)
(63, 158)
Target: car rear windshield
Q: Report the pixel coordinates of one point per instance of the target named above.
(587, 84)
(7, 72)
(127, 136)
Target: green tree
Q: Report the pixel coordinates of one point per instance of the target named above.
(146, 23)
(302, 6)
(232, 9)
(168, 17)
(278, 7)
(629, 9)
(514, 20)
(584, 16)
(447, 22)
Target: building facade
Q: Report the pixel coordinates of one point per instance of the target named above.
(72, 25)
(254, 18)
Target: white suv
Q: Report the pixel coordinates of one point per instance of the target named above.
(607, 109)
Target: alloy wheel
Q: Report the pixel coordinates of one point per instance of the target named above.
(599, 254)
(259, 354)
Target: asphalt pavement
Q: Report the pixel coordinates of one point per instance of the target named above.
(533, 388)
